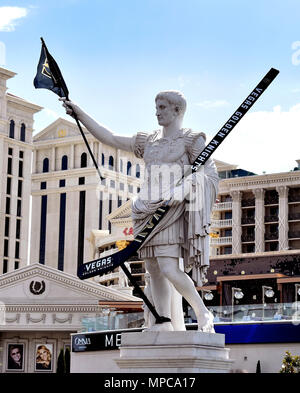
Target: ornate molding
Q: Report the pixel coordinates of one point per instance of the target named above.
(62, 320)
(35, 320)
(16, 319)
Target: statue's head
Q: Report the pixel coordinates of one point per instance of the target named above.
(169, 104)
(175, 98)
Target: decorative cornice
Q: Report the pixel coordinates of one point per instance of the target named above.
(46, 308)
(259, 181)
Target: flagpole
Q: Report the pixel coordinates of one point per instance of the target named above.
(66, 92)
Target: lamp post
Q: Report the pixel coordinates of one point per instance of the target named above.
(207, 294)
(266, 291)
(235, 293)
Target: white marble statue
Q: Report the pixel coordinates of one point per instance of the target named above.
(183, 232)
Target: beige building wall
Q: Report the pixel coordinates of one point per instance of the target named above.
(62, 138)
(15, 184)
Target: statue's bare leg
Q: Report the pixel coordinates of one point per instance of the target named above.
(169, 267)
(161, 293)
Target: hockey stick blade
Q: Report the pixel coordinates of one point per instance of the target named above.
(104, 265)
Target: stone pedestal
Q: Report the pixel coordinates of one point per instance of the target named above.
(173, 352)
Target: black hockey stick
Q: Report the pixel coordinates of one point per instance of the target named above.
(104, 265)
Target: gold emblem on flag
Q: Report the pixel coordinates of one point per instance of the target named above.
(46, 70)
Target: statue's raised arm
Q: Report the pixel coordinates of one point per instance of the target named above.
(99, 131)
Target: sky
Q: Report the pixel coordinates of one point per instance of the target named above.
(116, 55)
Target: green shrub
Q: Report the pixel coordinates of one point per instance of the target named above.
(290, 364)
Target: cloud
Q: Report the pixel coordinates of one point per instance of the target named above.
(51, 113)
(212, 104)
(8, 17)
(264, 141)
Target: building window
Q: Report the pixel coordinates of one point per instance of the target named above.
(8, 186)
(138, 171)
(62, 226)
(81, 223)
(62, 183)
(20, 169)
(22, 134)
(16, 265)
(46, 165)
(17, 250)
(83, 160)
(9, 166)
(122, 186)
(6, 231)
(102, 160)
(138, 189)
(121, 166)
(129, 168)
(64, 163)
(130, 189)
(119, 201)
(20, 183)
(7, 206)
(112, 184)
(18, 229)
(19, 206)
(21, 154)
(43, 185)
(5, 266)
(111, 163)
(6, 247)
(109, 210)
(81, 180)
(43, 228)
(12, 129)
(10, 151)
(100, 209)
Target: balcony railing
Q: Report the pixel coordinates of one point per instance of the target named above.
(271, 218)
(221, 241)
(271, 236)
(108, 277)
(222, 206)
(138, 270)
(248, 202)
(294, 234)
(248, 220)
(221, 223)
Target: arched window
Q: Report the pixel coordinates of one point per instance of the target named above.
(64, 163)
(22, 134)
(12, 129)
(46, 165)
(121, 166)
(129, 168)
(83, 160)
(102, 160)
(138, 170)
(111, 163)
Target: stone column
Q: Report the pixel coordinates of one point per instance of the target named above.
(53, 158)
(283, 217)
(72, 162)
(34, 161)
(259, 194)
(236, 222)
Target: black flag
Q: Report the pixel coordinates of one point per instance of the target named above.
(48, 74)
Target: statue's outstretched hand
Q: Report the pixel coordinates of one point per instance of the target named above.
(71, 108)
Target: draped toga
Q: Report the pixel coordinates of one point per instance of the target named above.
(184, 230)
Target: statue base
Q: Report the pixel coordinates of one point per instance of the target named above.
(173, 352)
